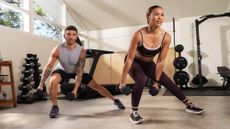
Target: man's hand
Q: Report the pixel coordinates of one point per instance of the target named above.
(41, 86)
(125, 89)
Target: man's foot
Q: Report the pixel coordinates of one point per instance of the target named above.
(118, 104)
(54, 112)
(136, 118)
(191, 108)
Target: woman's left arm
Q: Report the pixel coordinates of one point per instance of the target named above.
(162, 56)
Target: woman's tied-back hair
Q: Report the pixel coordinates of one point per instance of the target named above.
(71, 27)
(148, 12)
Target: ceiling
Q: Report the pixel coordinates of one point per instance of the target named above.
(104, 14)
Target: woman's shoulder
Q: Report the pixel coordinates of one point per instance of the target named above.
(167, 38)
(143, 29)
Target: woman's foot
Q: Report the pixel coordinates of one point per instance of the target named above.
(192, 108)
(136, 118)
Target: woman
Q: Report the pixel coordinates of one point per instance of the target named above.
(145, 44)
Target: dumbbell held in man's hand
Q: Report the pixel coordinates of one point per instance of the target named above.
(126, 90)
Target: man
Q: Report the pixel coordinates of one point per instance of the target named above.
(71, 60)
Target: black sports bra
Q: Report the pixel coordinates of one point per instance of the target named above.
(149, 52)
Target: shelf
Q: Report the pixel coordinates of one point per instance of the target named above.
(10, 83)
(7, 102)
(5, 83)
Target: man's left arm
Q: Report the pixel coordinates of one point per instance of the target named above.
(79, 70)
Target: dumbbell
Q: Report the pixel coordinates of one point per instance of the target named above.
(39, 94)
(126, 90)
(153, 90)
(28, 98)
(39, 71)
(25, 87)
(30, 78)
(29, 71)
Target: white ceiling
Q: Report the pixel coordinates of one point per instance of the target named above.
(104, 14)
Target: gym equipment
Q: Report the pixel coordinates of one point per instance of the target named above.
(26, 98)
(181, 78)
(40, 94)
(3, 95)
(3, 78)
(195, 80)
(180, 63)
(30, 80)
(85, 90)
(153, 90)
(95, 54)
(179, 48)
(67, 88)
(30, 71)
(70, 96)
(225, 74)
(27, 87)
(126, 90)
(201, 79)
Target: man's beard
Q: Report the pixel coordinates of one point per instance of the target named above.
(70, 43)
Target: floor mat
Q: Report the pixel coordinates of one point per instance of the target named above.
(206, 91)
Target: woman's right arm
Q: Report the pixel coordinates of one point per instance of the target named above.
(130, 57)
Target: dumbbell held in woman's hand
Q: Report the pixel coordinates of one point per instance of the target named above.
(153, 90)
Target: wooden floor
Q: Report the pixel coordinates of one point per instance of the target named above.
(159, 112)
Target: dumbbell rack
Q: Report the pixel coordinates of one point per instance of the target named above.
(30, 80)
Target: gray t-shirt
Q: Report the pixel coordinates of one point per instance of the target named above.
(68, 59)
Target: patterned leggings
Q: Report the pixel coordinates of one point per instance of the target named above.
(139, 71)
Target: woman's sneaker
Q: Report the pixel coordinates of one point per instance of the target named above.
(136, 118)
(54, 112)
(191, 108)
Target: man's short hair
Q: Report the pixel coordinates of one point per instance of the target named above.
(71, 27)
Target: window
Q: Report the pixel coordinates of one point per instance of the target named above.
(47, 17)
(44, 21)
(45, 24)
(16, 3)
(47, 30)
(11, 16)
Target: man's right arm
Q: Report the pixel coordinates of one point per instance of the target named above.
(48, 68)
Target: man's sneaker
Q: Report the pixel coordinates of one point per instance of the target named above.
(118, 104)
(54, 112)
(194, 109)
(136, 118)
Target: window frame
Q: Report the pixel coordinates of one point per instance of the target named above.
(29, 16)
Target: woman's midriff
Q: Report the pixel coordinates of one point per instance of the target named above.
(143, 58)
